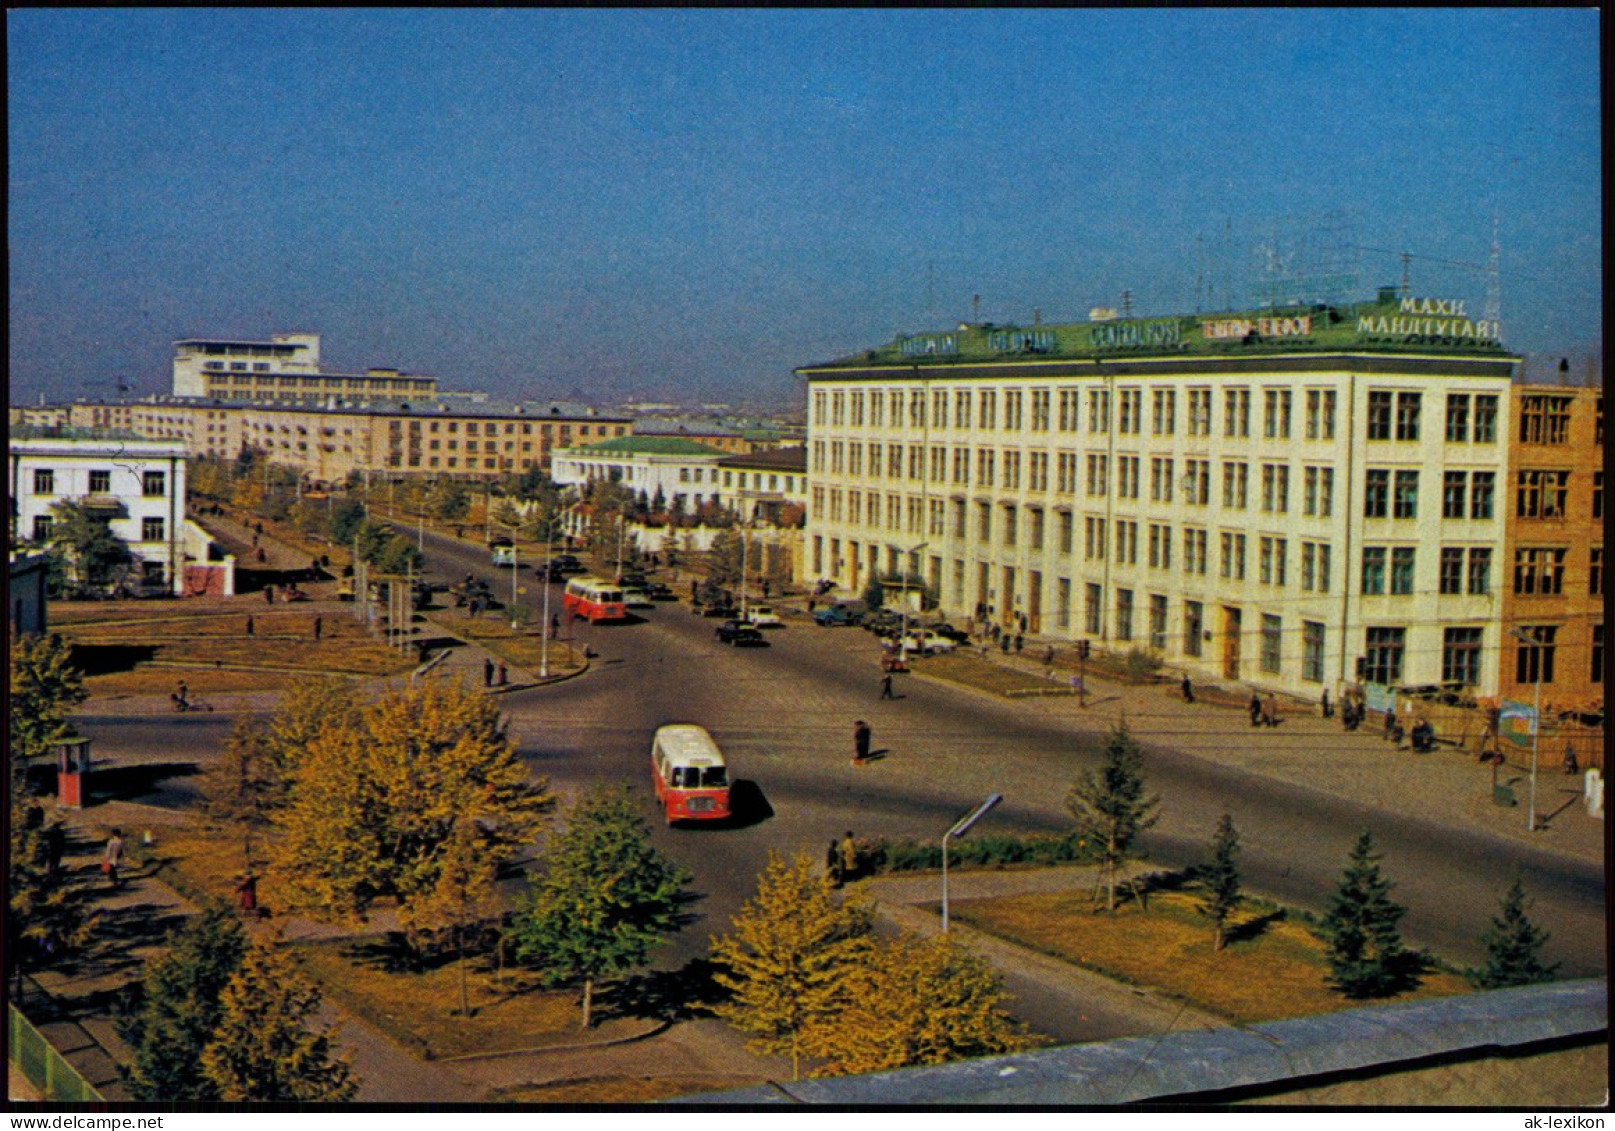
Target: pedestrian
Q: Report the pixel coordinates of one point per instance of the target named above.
(112, 859)
(1255, 710)
(1188, 689)
(832, 863)
(1048, 656)
(504, 677)
(1024, 623)
(182, 695)
(258, 527)
(1326, 702)
(319, 627)
(861, 735)
(1003, 642)
(886, 686)
(247, 891)
(812, 604)
(251, 629)
(555, 624)
(849, 857)
(765, 590)
(260, 555)
(1019, 641)
(1270, 710)
(1390, 724)
(55, 846)
(269, 594)
(693, 589)
(487, 672)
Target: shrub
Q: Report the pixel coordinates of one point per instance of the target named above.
(1141, 663)
(977, 852)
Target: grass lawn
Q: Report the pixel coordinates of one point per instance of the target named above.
(523, 647)
(622, 1089)
(421, 1007)
(203, 859)
(1274, 969)
(973, 671)
(201, 681)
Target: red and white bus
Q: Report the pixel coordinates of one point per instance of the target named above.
(594, 599)
(692, 780)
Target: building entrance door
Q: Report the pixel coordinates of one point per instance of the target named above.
(1230, 642)
(1006, 606)
(1034, 601)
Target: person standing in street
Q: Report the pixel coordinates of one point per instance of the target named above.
(1188, 689)
(1255, 710)
(504, 675)
(849, 857)
(112, 859)
(319, 627)
(1270, 711)
(1326, 711)
(251, 627)
(269, 594)
(861, 736)
(886, 686)
(487, 672)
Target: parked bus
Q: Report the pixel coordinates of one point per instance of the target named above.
(692, 781)
(594, 599)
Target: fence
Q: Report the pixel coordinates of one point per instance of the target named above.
(36, 1059)
(1467, 727)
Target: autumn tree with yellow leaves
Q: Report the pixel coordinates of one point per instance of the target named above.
(398, 801)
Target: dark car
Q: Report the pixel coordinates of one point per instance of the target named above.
(740, 634)
(633, 578)
(720, 609)
(566, 563)
(656, 591)
(957, 635)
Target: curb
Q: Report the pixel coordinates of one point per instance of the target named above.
(657, 1028)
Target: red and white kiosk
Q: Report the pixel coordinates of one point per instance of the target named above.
(72, 771)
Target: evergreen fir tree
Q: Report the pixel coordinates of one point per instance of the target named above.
(178, 1007)
(787, 962)
(1514, 946)
(605, 898)
(1220, 881)
(261, 1049)
(1365, 952)
(1111, 807)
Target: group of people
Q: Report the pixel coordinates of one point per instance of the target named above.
(1264, 712)
(841, 859)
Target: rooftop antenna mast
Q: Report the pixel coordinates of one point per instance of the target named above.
(1407, 261)
(975, 310)
(1127, 304)
(1494, 280)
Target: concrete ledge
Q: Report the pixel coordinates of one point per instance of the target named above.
(1178, 1065)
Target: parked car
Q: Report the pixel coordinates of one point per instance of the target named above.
(739, 633)
(763, 616)
(924, 641)
(718, 609)
(656, 591)
(567, 563)
(636, 599)
(835, 616)
(632, 578)
(957, 635)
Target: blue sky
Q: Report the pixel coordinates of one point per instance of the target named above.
(692, 203)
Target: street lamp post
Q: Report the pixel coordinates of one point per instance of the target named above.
(960, 827)
(1536, 720)
(744, 542)
(544, 632)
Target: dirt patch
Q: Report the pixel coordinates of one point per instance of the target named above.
(973, 671)
(622, 1089)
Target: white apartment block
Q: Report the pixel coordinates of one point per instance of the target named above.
(285, 369)
(139, 485)
(654, 466)
(1268, 510)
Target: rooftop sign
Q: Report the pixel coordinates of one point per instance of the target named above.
(1429, 317)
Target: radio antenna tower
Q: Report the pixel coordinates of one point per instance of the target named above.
(1494, 280)
(1407, 261)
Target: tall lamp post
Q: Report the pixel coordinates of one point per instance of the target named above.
(1536, 720)
(960, 827)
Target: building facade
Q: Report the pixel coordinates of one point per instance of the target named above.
(765, 486)
(665, 467)
(137, 485)
(285, 369)
(1254, 497)
(1554, 547)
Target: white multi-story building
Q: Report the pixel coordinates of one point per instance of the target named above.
(1254, 497)
(664, 467)
(285, 369)
(137, 485)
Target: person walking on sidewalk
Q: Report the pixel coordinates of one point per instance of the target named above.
(1326, 711)
(1255, 709)
(487, 672)
(861, 736)
(112, 859)
(849, 857)
(886, 686)
(504, 675)
(1188, 689)
(1270, 711)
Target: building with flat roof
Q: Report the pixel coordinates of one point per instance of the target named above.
(1252, 496)
(658, 467)
(284, 369)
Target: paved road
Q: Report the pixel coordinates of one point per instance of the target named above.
(785, 714)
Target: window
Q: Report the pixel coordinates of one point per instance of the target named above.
(1012, 410)
(100, 482)
(1067, 528)
(1460, 655)
(1194, 618)
(1457, 418)
(1009, 524)
(1068, 410)
(1541, 494)
(1236, 407)
(984, 521)
(1402, 570)
(1598, 494)
(1482, 487)
(1160, 546)
(1534, 661)
(1098, 474)
(1539, 571)
(44, 482)
(1485, 419)
(1407, 415)
(1093, 538)
(1275, 488)
(1272, 637)
(1124, 614)
(151, 530)
(1194, 551)
(1379, 416)
(42, 527)
(1098, 410)
(1595, 572)
(1276, 414)
(1034, 523)
(1164, 411)
(1066, 471)
(1376, 492)
(1480, 570)
(1127, 477)
(985, 458)
(1126, 542)
(1320, 414)
(1199, 412)
(1231, 564)
(1158, 622)
(1160, 480)
(1454, 486)
(1373, 570)
(1130, 412)
(1406, 501)
(1312, 651)
(1452, 570)
(989, 409)
(1094, 609)
(1235, 480)
(1040, 410)
(1544, 419)
(1383, 655)
(1197, 482)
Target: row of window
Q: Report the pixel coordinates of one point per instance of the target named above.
(152, 529)
(153, 484)
(1391, 414)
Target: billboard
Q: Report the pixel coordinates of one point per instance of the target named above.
(1516, 722)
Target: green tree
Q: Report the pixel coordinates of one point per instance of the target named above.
(1220, 881)
(98, 556)
(604, 898)
(724, 560)
(1365, 952)
(1514, 946)
(347, 515)
(377, 798)
(178, 1007)
(449, 500)
(244, 787)
(399, 555)
(792, 949)
(463, 898)
(44, 689)
(914, 1001)
(507, 513)
(262, 1049)
(1111, 807)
